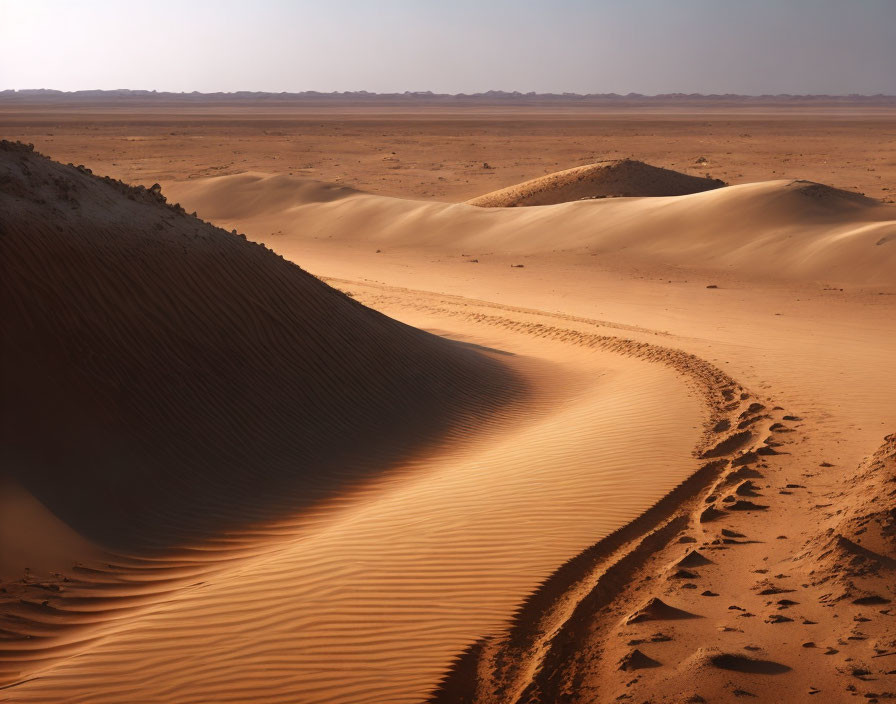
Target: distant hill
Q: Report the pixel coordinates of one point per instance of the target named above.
(489, 98)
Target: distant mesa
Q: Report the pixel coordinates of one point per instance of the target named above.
(605, 179)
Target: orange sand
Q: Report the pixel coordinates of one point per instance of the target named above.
(499, 485)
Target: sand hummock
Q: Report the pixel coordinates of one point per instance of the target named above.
(616, 178)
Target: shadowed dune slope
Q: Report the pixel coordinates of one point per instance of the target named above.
(605, 179)
(788, 230)
(163, 378)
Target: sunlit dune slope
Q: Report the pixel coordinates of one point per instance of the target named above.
(156, 367)
(174, 384)
(605, 179)
(791, 230)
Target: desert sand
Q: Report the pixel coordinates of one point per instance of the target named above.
(433, 153)
(631, 445)
(619, 178)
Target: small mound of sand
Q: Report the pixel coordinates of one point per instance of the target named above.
(659, 610)
(636, 660)
(863, 542)
(693, 559)
(828, 195)
(742, 663)
(605, 179)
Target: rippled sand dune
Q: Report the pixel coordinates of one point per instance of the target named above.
(630, 435)
(789, 230)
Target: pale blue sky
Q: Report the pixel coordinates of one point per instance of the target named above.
(601, 46)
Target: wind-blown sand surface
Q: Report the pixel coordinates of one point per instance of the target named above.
(751, 277)
(438, 153)
(735, 343)
(795, 230)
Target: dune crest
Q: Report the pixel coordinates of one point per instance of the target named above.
(617, 178)
(780, 230)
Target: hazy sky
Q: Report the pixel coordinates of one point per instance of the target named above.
(597, 46)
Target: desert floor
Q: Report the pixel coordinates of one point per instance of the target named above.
(439, 154)
(533, 558)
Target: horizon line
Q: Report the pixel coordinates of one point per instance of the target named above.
(434, 94)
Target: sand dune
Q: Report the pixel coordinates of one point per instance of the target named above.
(701, 597)
(166, 382)
(785, 632)
(785, 616)
(634, 488)
(166, 344)
(192, 545)
(200, 424)
(438, 153)
(789, 230)
(619, 178)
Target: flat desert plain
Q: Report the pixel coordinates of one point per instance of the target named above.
(619, 433)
